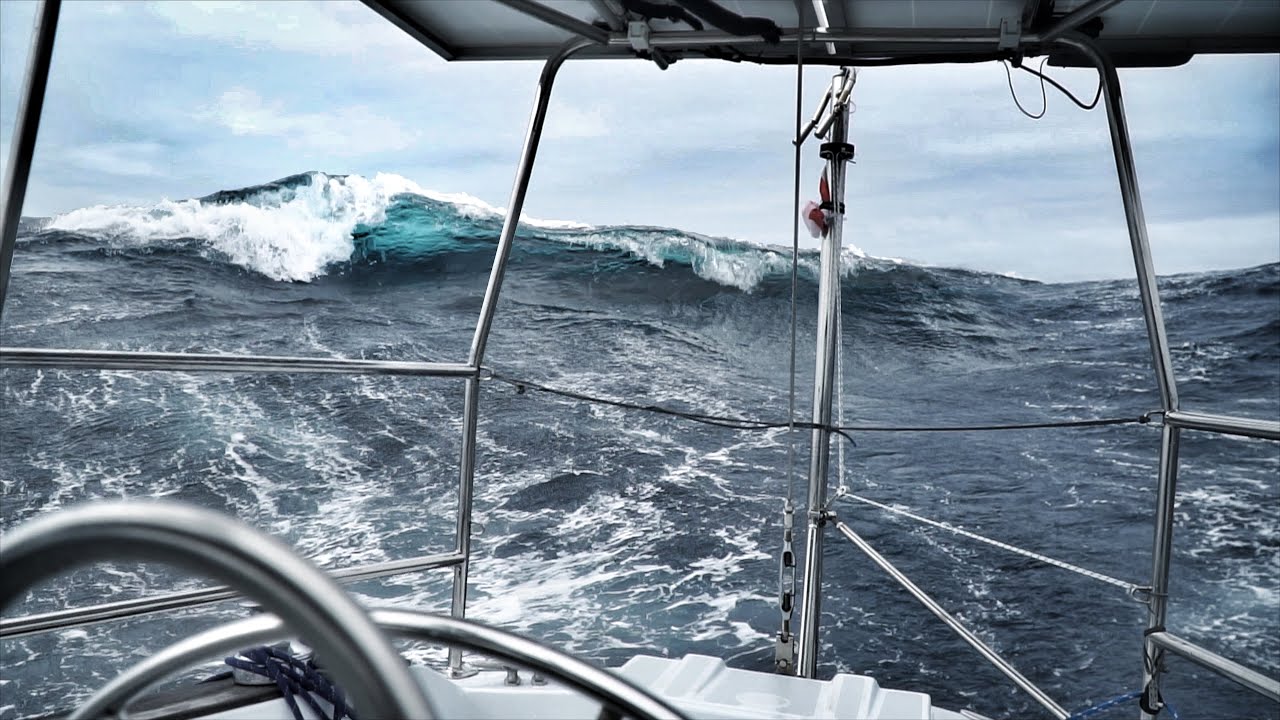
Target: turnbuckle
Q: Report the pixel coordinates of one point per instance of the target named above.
(784, 647)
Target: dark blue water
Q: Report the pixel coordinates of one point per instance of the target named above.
(609, 532)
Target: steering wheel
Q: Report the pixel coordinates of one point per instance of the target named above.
(266, 570)
(611, 690)
(242, 557)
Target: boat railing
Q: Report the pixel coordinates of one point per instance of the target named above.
(27, 123)
(1157, 639)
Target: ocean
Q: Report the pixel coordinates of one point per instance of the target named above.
(608, 532)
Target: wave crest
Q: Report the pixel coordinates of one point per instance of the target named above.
(302, 226)
(291, 229)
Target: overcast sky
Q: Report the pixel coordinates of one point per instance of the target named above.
(174, 99)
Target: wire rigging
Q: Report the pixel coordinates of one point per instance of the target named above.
(795, 266)
(1127, 586)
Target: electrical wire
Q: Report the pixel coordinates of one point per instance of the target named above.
(1044, 97)
(1045, 78)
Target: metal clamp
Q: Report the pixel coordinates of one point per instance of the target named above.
(1010, 34)
(638, 36)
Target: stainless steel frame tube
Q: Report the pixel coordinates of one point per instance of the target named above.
(23, 143)
(521, 186)
(471, 403)
(965, 634)
(1234, 671)
(104, 612)
(1167, 480)
(824, 380)
(1244, 427)
(205, 362)
(1161, 546)
(1134, 216)
(466, 494)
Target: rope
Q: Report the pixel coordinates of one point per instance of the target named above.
(1129, 587)
(1106, 705)
(296, 678)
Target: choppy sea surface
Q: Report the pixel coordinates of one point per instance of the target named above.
(608, 532)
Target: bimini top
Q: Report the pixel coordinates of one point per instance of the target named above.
(1135, 33)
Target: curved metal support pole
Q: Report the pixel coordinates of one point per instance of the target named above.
(1166, 487)
(965, 634)
(1134, 216)
(250, 561)
(182, 599)
(23, 146)
(471, 401)
(613, 690)
(533, 136)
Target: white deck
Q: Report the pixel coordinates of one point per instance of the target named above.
(699, 686)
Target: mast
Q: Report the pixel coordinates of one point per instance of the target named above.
(837, 152)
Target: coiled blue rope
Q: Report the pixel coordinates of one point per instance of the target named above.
(295, 678)
(1119, 700)
(1105, 705)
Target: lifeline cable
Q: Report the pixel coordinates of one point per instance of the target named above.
(735, 423)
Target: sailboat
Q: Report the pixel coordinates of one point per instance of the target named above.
(357, 668)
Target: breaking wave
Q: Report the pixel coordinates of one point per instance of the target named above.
(305, 226)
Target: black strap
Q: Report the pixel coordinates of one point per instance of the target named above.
(733, 23)
(650, 10)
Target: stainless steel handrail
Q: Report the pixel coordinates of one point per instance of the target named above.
(77, 359)
(137, 607)
(1224, 424)
(257, 564)
(614, 691)
(1230, 669)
